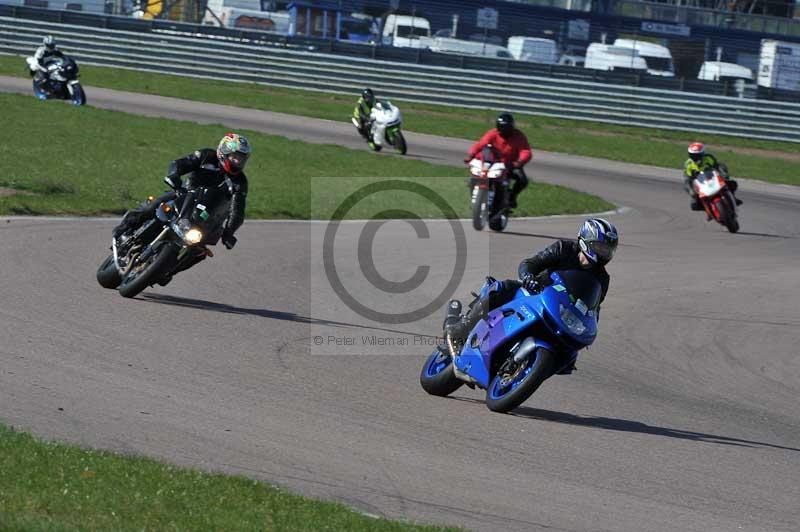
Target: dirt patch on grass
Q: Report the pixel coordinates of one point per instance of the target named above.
(5, 192)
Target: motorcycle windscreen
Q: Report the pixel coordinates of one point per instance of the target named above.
(582, 285)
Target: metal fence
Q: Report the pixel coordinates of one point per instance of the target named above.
(274, 64)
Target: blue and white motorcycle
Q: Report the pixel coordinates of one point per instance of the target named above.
(58, 81)
(519, 345)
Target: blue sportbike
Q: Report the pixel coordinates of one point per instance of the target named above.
(520, 344)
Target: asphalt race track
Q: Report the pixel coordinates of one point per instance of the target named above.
(682, 417)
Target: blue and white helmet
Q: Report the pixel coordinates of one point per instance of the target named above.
(598, 240)
(49, 42)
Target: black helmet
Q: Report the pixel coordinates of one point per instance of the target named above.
(49, 42)
(368, 96)
(505, 124)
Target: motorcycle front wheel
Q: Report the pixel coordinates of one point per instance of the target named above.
(400, 143)
(107, 274)
(516, 382)
(727, 215)
(480, 209)
(151, 271)
(78, 96)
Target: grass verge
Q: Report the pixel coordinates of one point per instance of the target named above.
(67, 160)
(50, 486)
(777, 162)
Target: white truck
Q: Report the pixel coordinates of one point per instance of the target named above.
(245, 14)
(601, 56)
(406, 32)
(779, 65)
(657, 57)
(535, 49)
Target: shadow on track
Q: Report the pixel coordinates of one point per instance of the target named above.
(200, 304)
(767, 235)
(624, 425)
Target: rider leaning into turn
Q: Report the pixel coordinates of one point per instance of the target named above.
(363, 109)
(207, 167)
(513, 147)
(47, 50)
(597, 242)
(699, 160)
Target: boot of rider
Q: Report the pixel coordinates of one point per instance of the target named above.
(733, 186)
(520, 183)
(456, 332)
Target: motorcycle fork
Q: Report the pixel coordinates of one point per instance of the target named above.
(149, 249)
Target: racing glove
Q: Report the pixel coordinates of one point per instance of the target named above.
(529, 282)
(174, 182)
(228, 240)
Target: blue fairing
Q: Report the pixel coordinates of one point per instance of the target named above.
(529, 315)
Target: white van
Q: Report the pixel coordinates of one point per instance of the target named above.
(719, 71)
(658, 58)
(533, 49)
(447, 45)
(405, 32)
(601, 56)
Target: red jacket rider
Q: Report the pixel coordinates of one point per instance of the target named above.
(513, 147)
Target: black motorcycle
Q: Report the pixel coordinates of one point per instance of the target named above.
(174, 240)
(60, 81)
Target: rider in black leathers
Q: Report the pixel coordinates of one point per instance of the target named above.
(597, 241)
(207, 167)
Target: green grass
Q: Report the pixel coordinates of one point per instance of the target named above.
(50, 486)
(767, 160)
(93, 161)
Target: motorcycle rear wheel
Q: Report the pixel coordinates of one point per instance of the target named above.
(437, 376)
(160, 263)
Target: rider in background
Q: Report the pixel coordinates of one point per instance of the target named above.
(513, 147)
(699, 160)
(597, 242)
(47, 50)
(363, 110)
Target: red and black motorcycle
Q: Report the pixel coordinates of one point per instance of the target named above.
(716, 198)
(490, 192)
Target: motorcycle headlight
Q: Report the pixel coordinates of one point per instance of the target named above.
(193, 236)
(572, 321)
